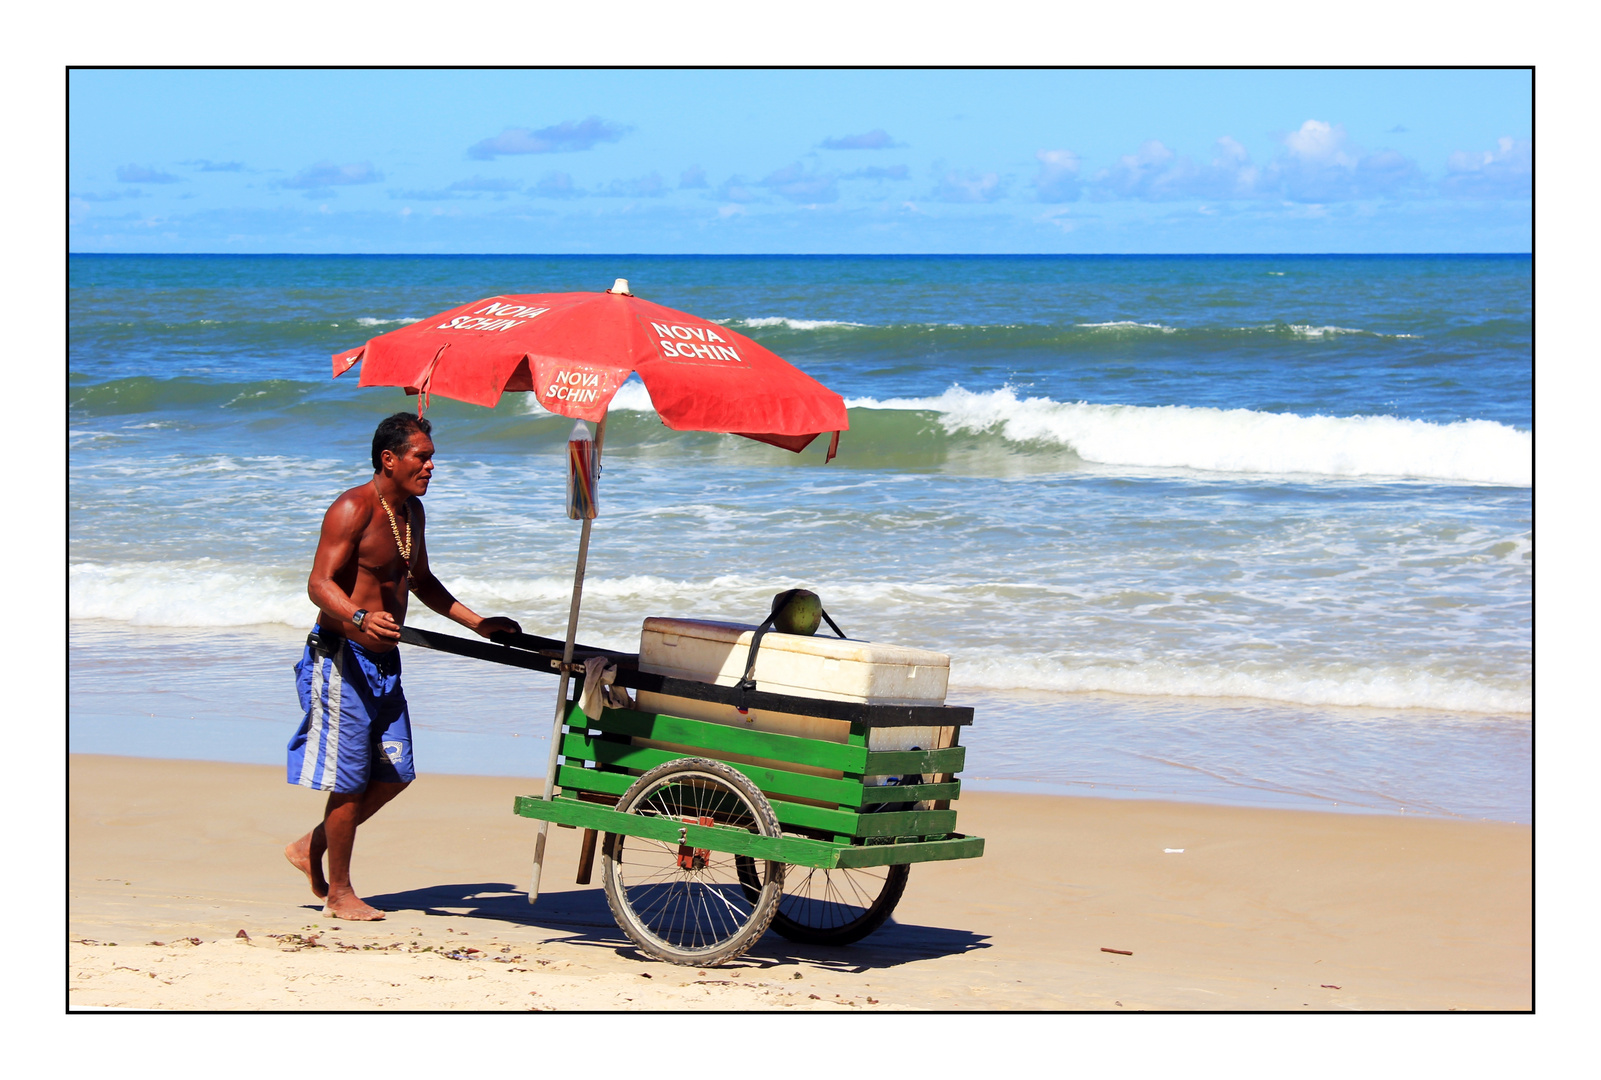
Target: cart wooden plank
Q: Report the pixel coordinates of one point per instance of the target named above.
(848, 793)
(796, 815)
(911, 793)
(703, 734)
(952, 847)
(771, 781)
(896, 762)
(790, 849)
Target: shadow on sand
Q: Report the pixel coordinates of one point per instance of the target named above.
(582, 917)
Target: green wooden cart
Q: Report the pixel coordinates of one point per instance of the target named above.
(709, 833)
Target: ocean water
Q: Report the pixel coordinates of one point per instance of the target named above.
(1240, 529)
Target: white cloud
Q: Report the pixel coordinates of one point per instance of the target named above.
(1060, 218)
(877, 139)
(736, 190)
(1505, 172)
(1057, 181)
(108, 196)
(969, 187)
(648, 186)
(1154, 173)
(558, 138)
(798, 185)
(144, 174)
(1318, 164)
(484, 183)
(878, 172)
(555, 185)
(326, 174)
(1320, 143)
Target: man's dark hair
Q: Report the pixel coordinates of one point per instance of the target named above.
(394, 435)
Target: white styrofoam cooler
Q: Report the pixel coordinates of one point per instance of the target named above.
(835, 669)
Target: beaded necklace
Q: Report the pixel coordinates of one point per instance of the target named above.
(403, 546)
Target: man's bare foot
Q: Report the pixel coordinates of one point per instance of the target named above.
(352, 908)
(299, 856)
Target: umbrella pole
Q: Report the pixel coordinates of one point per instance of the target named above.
(561, 687)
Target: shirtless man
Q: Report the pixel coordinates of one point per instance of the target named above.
(355, 739)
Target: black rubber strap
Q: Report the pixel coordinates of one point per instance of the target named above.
(831, 624)
(749, 681)
(779, 602)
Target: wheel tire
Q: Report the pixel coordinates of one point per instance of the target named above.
(837, 907)
(713, 909)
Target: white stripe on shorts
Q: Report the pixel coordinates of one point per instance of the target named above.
(322, 716)
(308, 753)
(336, 686)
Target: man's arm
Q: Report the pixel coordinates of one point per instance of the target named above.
(337, 548)
(431, 591)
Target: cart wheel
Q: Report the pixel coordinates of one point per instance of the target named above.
(835, 907)
(689, 905)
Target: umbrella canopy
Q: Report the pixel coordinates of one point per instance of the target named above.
(574, 351)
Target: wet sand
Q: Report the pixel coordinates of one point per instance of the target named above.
(1263, 910)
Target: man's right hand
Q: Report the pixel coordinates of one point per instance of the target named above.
(381, 627)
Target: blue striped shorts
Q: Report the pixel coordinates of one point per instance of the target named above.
(356, 726)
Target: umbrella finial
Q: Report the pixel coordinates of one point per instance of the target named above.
(620, 287)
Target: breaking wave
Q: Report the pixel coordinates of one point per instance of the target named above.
(1235, 440)
(764, 322)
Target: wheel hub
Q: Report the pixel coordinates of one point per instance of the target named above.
(693, 858)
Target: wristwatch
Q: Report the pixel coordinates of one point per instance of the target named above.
(358, 618)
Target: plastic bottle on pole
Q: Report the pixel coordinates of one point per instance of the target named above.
(583, 474)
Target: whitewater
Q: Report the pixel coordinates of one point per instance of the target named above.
(1240, 440)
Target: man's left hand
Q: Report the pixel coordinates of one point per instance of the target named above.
(496, 624)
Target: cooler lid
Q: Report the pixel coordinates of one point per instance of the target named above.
(825, 645)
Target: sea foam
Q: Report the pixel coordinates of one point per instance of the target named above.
(1128, 324)
(199, 593)
(788, 324)
(1378, 687)
(1239, 440)
(208, 593)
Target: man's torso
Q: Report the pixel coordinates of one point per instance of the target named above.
(376, 579)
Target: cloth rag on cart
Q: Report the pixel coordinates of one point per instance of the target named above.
(599, 693)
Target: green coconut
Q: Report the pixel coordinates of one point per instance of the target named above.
(802, 614)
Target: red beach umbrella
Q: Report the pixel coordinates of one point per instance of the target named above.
(574, 351)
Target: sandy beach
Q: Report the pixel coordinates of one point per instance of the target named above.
(180, 898)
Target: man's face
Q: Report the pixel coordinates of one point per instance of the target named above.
(412, 469)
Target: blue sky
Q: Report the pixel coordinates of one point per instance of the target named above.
(799, 161)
